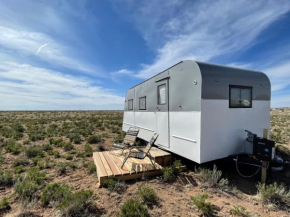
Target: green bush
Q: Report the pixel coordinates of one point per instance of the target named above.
(274, 194)
(18, 169)
(94, 139)
(28, 183)
(133, 208)
(88, 151)
(20, 162)
(206, 208)
(240, 211)
(55, 193)
(56, 154)
(12, 146)
(168, 174)
(67, 146)
(75, 138)
(34, 151)
(147, 194)
(91, 167)
(4, 203)
(76, 204)
(47, 147)
(112, 184)
(61, 168)
(6, 178)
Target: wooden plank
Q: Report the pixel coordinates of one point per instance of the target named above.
(118, 165)
(106, 165)
(112, 165)
(99, 164)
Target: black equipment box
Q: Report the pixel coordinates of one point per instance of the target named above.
(264, 149)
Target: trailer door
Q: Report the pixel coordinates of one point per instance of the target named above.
(162, 115)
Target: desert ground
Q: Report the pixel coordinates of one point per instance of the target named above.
(47, 170)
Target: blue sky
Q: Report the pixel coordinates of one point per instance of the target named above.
(71, 55)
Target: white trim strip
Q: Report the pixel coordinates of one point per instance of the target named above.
(139, 127)
(179, 137)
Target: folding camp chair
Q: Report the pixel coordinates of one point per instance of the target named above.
(128, 142)
(141, 154)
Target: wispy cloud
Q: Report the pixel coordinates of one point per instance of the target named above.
(201, 30)
(27, 42)
(40, 48)
(27, 87)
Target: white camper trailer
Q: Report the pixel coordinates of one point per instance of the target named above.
(200, 110)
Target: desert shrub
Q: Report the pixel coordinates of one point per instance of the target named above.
(55, 193)
(62, 167)
(88, 151)
(147, 194)
(28, 183)
(6, 178)
(17, 127)
(168, 174)
(68, 157)
(213, 179)
(75, 138)
(18, 169)
(240, 211)
(47, 147)
(36, 137)
(67, 146)
(133, 208)
(20, 162)
(200, 203)
(26, 142)
(43, 164)
(112, 184)
(4, 203)
(56, 154)
(80, 154)
(12, 146)
(76, 204)
(94, 139)
(274, 194)
(56, 142)
(91, 167)
(34, 151)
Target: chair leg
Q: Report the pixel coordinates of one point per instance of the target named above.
(150, 157)
(125, 159)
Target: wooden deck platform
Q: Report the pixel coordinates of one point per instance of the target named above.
(108, 164)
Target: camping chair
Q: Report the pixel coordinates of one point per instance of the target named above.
(142, 154)
(128, 142)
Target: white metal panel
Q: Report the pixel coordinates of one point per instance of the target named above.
(185, 134)
(128, 119)
(146, 122)
(162, 129)
(223, 128)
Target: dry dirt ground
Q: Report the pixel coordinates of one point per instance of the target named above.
(20, 132)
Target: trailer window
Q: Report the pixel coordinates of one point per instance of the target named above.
(240, 97)
(162, 94)
(130, 104)
(142, 103)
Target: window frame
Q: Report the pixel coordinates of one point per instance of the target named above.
(129, 105)
(158, 94)
(241, 87)
(143, 97)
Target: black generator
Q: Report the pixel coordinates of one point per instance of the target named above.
(263, 149)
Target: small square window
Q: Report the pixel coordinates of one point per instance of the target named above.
(240, 97)
(142, 103)
(130, 104)
(162, 94)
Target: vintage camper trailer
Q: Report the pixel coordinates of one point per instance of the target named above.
(200, 110)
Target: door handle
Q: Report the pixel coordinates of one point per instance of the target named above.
(157, 109)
